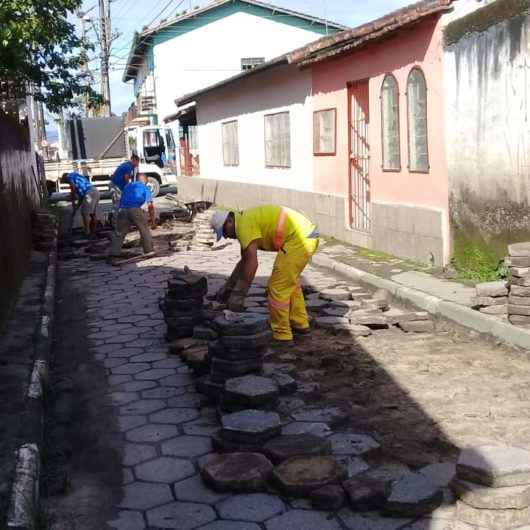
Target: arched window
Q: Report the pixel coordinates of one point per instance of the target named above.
(417, 121)
(390, 124)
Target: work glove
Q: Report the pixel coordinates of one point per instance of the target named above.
(224, 293)
(236, 302)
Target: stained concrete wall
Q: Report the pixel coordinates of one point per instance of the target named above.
(487, 84)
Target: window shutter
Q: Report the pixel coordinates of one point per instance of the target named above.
(390, 124)
(417, 121)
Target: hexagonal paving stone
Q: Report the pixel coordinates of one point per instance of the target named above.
(252, 426)
(142, 406)
(353, 444)
(118, 379)
(302, 427)
(151, 433)
(187, 446)
(130, 368)
(174, 416)
(176, 380)
(242, 324)
(331, 414)
(285, 447)
(122, 398)
(303, 519)
(193, 489)
(148, 357)
(299, 476)
(168, 363)
(251, 390)
(164, 469)
(253, 507)
(162, 392)
(374, 521)
(230, 525)
(136, 386)
(126, 423)
(201, 427)
(181, 515)
(136, 453)
(188, 399)
(154, 374)
(128, 520)
(145, 495)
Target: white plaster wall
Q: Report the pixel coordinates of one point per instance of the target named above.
(213, 52)
(487, 86)
(283, 88)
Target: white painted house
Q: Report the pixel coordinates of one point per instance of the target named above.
(202, 47)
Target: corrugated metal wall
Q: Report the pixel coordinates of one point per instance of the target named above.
(19, 195)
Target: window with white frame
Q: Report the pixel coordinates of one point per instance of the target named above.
(247, 63)
(324, 131)
(390, 124)
(417, 121)
(230, 143)
(278, 140)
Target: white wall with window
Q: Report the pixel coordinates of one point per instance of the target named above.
(259, 130)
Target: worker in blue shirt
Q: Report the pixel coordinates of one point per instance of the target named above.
(134, 196)
(120, 178)
(87, 197)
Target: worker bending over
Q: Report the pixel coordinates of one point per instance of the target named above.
(134, 196)
(275, 229)
(87, 197)
(124, 174)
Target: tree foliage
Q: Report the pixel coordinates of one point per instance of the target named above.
(39, 48)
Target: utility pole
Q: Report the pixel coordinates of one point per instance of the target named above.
(105, 40)
(83, 19)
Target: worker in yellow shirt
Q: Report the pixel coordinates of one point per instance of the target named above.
(274, 229)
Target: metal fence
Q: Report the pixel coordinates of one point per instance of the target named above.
(19, 195)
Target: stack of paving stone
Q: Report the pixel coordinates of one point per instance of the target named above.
(204, 238)
(44, 228)
(239, 350)
(182, 305)
(492, 298)
(492, 485)
(519, 297)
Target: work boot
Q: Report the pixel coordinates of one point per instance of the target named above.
(278, 343)
(301, 331)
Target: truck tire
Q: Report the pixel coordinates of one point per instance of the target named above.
(154, 186)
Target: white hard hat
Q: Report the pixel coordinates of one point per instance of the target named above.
(217, 221)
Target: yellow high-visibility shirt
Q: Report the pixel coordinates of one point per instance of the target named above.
(272, 225)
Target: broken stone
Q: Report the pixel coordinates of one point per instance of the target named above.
(335, 323)
(288, 446)
(332, 415)
(336, 311)
(301, 475)
(353, 444)
(241, 324)
(251, 391)
(492, 288)
(335, 294)
(197, 359)
(251, 426)
(203, 332)
(328, 498)
(395, 316)
(487, 498)
(316, 306)
(495, 310)
(494, 465)
(413, 494)
(365, 494)
(369, 320)
(519, 249)
(492, 519)
(418, 326)
(238, 472)
(178, 346)
(242, 342)
(286, 384)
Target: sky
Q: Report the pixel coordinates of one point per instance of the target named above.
(130, 15)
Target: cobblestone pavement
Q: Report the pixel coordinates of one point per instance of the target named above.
(421, 396)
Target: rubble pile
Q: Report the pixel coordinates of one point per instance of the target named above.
(519, 284)
(492, 298)
(183, 303)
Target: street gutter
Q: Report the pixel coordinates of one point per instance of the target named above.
(460, 314)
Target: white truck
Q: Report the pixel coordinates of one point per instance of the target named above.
(97, 146)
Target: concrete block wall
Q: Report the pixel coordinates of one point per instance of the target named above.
(408, 232)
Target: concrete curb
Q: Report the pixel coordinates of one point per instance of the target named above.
(25, 490)
(460, 314)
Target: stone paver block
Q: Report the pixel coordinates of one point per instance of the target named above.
(301, 475)
(371, 521)
(239, 472)
(413, 494)
(484, 497)
(145, 495)
(251, 390)
(286, 384)
(331, 414)
(365, 494)
(114, 380)
(174, 416)
(136, 453)
(223, 445)
(155, 374)
(193, 489)
(287, 446)
(241, 324)
(353, 444)
(168, 363)
(442, 473)
(201, 427)
(328, 498)
(152, 433)
(180, 515)
(519, 249)
(417, 326)
(303, 519)
(163, 392)
(187, 400)
(493, 519)
(177, 380)
(164, 469)
(250, 426)
(353, 464)
(335, 294)
(128, 520)
(187, 446)
(148, 357)
(303, 427)
(494, 465)
(142, 406)
(230, 525)
(122, 398)
(126, 423)
(136, 386)
(253, 507)
(242, 342)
